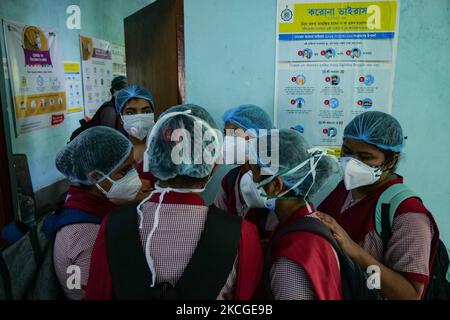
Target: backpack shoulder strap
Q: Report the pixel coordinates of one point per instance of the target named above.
(387, 205)
(130, 274)
(214, 257)
(95, 120)
(307, 224)
(72, 216)
(313, 225)
(53, 222)
(260, 220)
(13, 231)
(231, 180)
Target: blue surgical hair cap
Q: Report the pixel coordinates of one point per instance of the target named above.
(376, 128)
(96, 150)
(158, 156)
(248, 117)
(133, 92)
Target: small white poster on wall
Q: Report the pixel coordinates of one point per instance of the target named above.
(118, 59)
(74, 86)
(97, 73)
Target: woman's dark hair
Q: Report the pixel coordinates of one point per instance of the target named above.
(187, 181)
(389, 157)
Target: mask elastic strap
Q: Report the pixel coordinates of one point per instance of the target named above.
(140, 213)
(266, 181)
(148, 257)
(309, 189)
(163, 191)
(102, 179)
(313, 165)
(104, 176)
(113, 182)
(147, 243)
(293, 170)
(311, 162)
(168, 189)
(101, 189)
(314, 172)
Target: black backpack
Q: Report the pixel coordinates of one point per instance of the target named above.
(353, 279)
(95, 121)
(439, 284)
(26, 264)
(205, 274)
(84, 125)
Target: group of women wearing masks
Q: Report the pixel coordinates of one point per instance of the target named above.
(184, 249)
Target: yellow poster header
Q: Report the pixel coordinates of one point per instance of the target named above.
(374, 16)
(71, 67)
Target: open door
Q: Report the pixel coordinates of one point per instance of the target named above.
(154, 44)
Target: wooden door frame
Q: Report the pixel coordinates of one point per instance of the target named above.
(180, 52)
(6, 194)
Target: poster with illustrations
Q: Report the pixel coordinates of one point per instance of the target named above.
(74, 86)
(335, 60)
(97, 73)
(118, 59)
(36, 75)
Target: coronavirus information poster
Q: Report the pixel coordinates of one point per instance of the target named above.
(334, 61)
(37, 76)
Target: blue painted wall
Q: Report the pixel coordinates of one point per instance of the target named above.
(230, 60)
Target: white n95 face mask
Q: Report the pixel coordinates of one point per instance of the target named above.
(250, 192)
(126, 188)
(234, 150)
(357, 174)
(138, 125)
